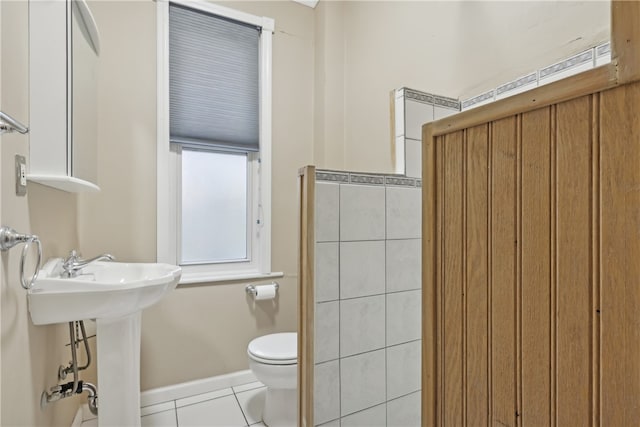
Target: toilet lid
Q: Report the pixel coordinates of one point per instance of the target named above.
(275, 348)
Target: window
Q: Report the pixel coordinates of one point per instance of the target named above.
(214, 141)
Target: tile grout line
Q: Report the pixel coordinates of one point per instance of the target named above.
(241, 410)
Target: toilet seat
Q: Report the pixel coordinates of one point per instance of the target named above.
(275, 349)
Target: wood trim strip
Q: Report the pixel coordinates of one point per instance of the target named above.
(625, 40)
(465, 281)
(554, 266)
(306, 294)
(518, 272)
(595, 258)
(592, 81)
(490, 272)
(429, 282)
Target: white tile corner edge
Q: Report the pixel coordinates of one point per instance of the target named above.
(191, 388)
(400, 150)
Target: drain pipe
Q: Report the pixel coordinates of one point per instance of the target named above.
(62, 391)
(76, 386)
(92, 397)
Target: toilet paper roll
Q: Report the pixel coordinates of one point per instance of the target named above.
(265, 292)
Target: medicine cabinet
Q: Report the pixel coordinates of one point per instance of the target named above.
(63, 51)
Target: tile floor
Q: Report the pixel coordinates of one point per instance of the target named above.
(230, 407)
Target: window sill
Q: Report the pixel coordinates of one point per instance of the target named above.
(198, 278)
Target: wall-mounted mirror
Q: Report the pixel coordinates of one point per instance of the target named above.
(64, 49)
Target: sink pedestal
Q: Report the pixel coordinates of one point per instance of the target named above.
(118, 342)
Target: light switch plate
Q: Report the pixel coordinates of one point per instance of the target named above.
(21, 175)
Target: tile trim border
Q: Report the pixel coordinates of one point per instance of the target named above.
(332, 176)
(450, 103)
(522, 81)
(574, 61)
(430, 99)
(603, 49)
(589, 55)
(367, 179)
(479, 98)
(416, 95)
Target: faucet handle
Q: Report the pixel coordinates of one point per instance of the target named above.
(73, 257)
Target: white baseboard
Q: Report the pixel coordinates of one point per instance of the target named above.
(177, 391)
(191, 388)
(77, 420)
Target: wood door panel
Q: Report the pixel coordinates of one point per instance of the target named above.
(573, 326)
(536, 225)
(477, 279)
(453, 282)
(620, 256)
(536, 268)
(503, 269)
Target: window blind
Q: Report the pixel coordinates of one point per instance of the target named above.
(213, 81)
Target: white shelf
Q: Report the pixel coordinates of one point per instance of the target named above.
(65, 183)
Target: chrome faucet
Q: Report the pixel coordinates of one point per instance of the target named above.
(73, 264)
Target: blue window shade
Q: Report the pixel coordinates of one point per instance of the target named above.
(213, 81)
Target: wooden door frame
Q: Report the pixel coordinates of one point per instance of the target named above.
(624, 68)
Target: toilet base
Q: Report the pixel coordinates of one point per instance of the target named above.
(280, 407)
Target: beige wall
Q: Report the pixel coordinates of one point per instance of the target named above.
(333, 69)
(450, 48)
(211, 324)
(30, 354)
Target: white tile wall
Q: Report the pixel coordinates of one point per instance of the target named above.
(326, 392)
(327, 331)
(362, 212)
(362, 381)
(404, 262)
(417, 114)
(362, 323)
(327, 271)
(401, 154)
(372, 417)
(413, 158)
(416, 109)
(403, 316)
(403, 369)
(362, 268)
(404, 411)
(327, 211)
(378, 263)
(404, 213)
(442, 112)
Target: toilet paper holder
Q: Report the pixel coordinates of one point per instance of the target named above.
(251, 289)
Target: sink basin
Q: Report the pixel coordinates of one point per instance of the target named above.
(102, 290)
(114, 294)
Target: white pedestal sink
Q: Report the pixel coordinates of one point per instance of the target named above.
(114, 294)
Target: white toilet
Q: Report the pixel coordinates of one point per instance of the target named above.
(274, 361)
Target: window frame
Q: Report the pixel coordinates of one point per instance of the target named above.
(168, 160)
